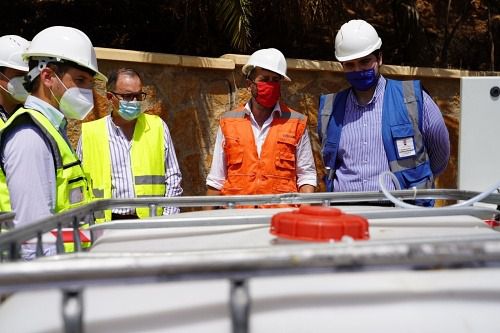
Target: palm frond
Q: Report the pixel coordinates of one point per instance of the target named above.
(234, 19)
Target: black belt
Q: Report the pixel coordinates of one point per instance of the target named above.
(115, 216)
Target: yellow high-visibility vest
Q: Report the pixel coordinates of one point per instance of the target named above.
(147, 160)
(4, 192)
(72, 188)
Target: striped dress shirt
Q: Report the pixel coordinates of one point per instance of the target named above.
(122, 185)
(361, 155)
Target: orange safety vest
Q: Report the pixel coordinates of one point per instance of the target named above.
(275, 170)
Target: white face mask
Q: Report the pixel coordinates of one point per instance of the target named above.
(15, 88)
(76, 103)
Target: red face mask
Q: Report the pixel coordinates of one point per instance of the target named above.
(268, 93)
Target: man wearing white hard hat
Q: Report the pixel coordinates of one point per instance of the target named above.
(378, 125)
(12, 70)
(262, 147)
(40, 168)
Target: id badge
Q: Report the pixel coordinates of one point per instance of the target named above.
(406, 147)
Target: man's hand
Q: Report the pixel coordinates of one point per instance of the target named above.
(306, 189)
(211, 191)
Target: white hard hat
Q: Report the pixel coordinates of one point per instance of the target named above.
(63, 43)
(271, 59)
(356, 39)
(11, 50)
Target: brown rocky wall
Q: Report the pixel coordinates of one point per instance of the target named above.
(190, 93)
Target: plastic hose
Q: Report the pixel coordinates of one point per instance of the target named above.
(402, 204)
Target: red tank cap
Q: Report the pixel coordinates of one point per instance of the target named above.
(318, 224)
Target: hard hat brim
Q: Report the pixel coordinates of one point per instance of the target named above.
(19, 68)
(362, 54)
(248, 68)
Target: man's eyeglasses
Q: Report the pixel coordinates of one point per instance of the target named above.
(130, 96)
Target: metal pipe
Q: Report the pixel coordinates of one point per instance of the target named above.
(239, 306)
(72, 311)
(45, 225)
(152, 209)
(265, 216)
(80, 270)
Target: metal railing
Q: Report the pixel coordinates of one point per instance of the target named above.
(71, 273)
(10, 242)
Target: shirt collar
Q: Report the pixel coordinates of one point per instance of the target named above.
(378, 93)
(247, 109)
(52, 114)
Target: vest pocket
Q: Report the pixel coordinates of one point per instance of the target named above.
(234, 157)
(76, 189)
(233, 150)
(329, 154)
(231, 190)
(403, 137)
(402, 131)
(285, 160)
(285, 186)
(286, 149)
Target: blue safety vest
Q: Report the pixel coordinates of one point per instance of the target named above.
(401, 126)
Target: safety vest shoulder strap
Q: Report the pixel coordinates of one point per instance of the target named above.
(330, 120)
(237, 113)
(287, 113)
(55, 139)
(148, 160)
(402, 117)
(96, 156)
(407, 94)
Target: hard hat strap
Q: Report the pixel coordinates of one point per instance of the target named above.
(42, 64)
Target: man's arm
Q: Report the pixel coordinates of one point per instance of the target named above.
(217, 175)
(306, 168)
(212, 191)
(435, 135)
(173, 176)
(306, 189)
(30, 174)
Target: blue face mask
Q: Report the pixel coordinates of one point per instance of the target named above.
(129, 110)
(362, 80)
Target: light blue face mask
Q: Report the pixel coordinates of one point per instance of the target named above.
(129, 110)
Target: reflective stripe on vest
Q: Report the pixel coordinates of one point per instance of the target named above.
(72, 188)
(401, 118)
(147, 158)
(275, 170)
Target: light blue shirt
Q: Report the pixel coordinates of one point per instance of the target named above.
(29, 168)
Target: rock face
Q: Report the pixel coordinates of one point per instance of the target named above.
(190, 100)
